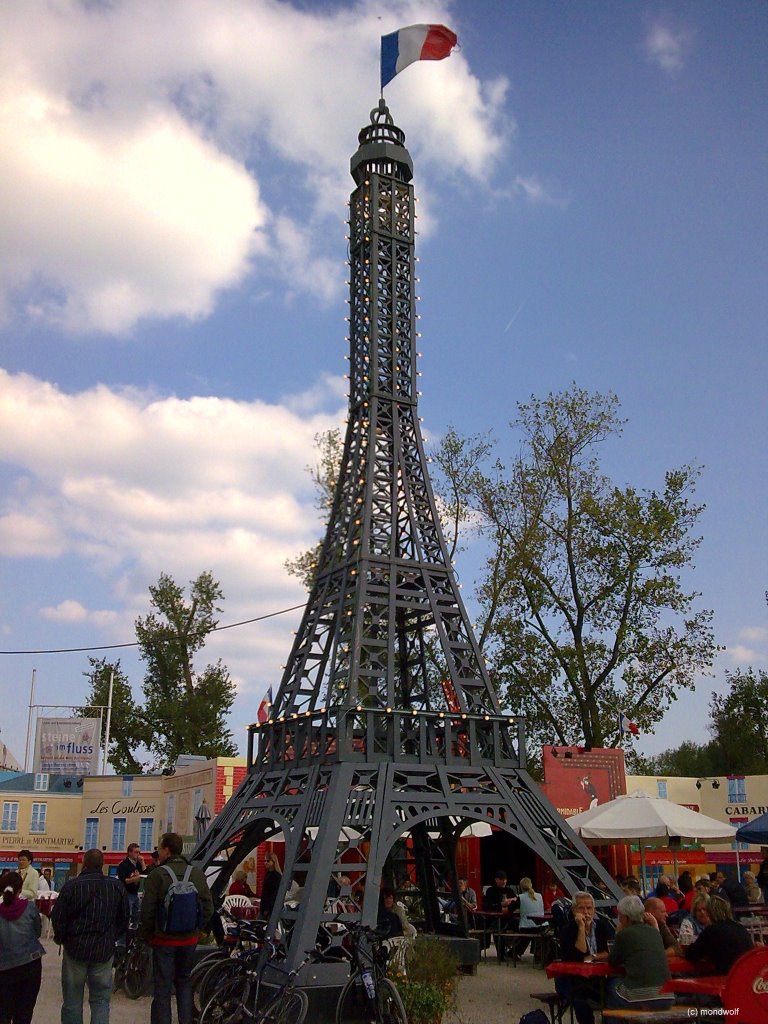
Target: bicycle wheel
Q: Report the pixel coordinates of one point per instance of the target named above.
(137, 975)
(226, 1005)
(389, 1005)
(353, 1005)
(207, 981)
(285, 1008)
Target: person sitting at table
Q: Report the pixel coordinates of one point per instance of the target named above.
(723, 941)
(664, 893)
(550, 893)
(531, 904)
(239, 886)
(630, 886)
(693, 924)
(583, 938)
(752, 889)
(731, 889)
(654, 908)
(468, 898)
(639, 950)
(685, 885)
(497, 899)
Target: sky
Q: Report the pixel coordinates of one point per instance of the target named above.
(173, 178)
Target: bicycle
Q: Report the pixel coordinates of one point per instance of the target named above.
(237, 999)
(242, 940)
(369, 995)
(133, 969)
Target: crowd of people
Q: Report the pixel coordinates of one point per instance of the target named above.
(94, 911)
(92, 915)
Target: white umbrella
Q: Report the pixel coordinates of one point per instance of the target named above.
(639, 817)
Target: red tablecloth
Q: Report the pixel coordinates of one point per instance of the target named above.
(576, 969)
(45, 905)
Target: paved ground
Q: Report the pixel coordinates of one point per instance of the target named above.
(497, 994)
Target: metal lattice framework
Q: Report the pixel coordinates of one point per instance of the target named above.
(386, 727)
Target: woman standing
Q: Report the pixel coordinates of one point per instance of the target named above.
(270, 885)
(20, 953)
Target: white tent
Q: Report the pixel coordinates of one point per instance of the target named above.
(649, 821)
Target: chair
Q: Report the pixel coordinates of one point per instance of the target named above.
(236, 901)
(746, 986)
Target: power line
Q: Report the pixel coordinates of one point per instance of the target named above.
(176, 636)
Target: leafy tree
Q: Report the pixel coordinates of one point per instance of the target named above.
(689, 760)
(738, 723)
(187, 710)
(584, 613)
(128, 728)
(324, 475)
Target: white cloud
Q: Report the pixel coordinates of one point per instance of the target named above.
(668, 46)
(741, 654)
(137, 140)
(71, 611)
(754, 633)
(164, 484)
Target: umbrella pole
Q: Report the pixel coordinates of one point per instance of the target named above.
(643, 880)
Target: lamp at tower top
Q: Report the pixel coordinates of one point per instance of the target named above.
(381, 148)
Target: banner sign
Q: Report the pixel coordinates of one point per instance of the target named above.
(67, 746)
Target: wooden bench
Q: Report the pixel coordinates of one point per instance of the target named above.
(554, 1003)
(668, 1016)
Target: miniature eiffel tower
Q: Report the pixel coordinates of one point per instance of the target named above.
(386, 741)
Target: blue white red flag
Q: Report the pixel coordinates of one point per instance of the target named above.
(265, 707)
(626, 726)
(416, 42)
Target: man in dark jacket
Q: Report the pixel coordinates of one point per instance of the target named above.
(172, 954)
(89, 915)
(583, 938)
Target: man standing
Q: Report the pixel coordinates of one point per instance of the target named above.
(29, 876)
(88, 916)
(129, 872)
(172, 952)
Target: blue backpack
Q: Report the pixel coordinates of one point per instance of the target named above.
(181, 911)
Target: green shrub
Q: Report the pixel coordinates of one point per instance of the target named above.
(429, 990)
(424, 1003)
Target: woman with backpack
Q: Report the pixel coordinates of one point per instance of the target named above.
(21, 953)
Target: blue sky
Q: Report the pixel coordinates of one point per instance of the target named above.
(173, 181)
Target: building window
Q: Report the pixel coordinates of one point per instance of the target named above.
(127, 785)
(39, 811)
(41, 781)
(118, 834)
(661, 789)
(146, 833)
(170, 812)
(10, 815)
(736, 822)
(91, 840)
(737, 789)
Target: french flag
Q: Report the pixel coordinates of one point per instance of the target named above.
(626, 726)
(416, 42)
(265, 707)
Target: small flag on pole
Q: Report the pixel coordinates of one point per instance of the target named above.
(626, 726)
(265, 707)
(416, 42)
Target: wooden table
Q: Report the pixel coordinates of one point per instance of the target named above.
(586, 970)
